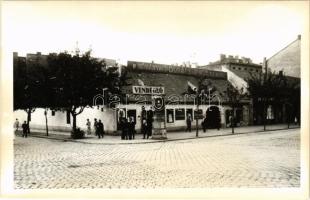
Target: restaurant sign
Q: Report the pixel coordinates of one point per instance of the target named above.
(148, 90)
(161, 68)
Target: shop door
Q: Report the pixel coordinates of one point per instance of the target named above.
(132, 113)
(213, 117)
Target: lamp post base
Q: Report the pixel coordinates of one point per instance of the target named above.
(159, 134)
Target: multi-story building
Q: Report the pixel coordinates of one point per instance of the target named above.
(237, 69)
(287, 60)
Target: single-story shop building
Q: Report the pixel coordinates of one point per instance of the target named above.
(149, 80)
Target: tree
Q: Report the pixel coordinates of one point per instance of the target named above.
(266, 88)
(29, 93)
(78, 78)
(289, 95)
(234, 95)
(204, 93)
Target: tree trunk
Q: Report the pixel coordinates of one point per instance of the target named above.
(288, 118)
(73, 122)
(74, 115)
(233, 120)
(28, 118)
(46, 126)
(73, 132)
(264, 115)
(197, 117)
(197, 126)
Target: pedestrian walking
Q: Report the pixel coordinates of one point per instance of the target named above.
(144, 128)
(132, 125)
(122, 127)
(100, 129)
(149, 122)
(189, 123)
(16, 125)
(129, 128)
(25, 129)
(143, 113)
(88, 126)
(125, 128)
(230, 121)
(143, 122)
(204, 124)
(95, 126)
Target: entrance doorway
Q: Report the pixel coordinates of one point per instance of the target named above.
(213, 117)
(132, 113)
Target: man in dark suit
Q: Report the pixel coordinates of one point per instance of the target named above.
(100, 129)
(149, 122)
(25, 129)
(189, 123)
(132, 130)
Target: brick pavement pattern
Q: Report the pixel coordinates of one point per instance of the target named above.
(266, 159)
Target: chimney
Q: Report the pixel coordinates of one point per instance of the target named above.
(222, 57)
(299, 37)
(15, 54)
(265, 65)
(243, 59)
(281, 73)
(39, 53)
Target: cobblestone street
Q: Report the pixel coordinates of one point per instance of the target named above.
(265, 159)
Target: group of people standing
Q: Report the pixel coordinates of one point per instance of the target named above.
(25, 127)
(147, 122)
(127, 126)
(98, 128)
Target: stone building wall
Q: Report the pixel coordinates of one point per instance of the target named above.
(287, 60)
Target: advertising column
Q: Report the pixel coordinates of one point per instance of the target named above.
(159, 124)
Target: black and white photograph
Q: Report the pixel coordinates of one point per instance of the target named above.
(155, 99)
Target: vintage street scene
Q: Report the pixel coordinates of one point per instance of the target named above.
(265, 159)
(166, 99)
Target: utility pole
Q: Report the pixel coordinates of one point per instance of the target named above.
(197, 107)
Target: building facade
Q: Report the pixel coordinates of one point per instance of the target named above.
(287, 60)
(146, 81)
(237, 69)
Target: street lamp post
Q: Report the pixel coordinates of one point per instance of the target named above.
(234, 96)
(197, 131)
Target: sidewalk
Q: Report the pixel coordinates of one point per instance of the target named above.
(172, 136)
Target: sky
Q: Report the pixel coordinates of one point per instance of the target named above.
(164, 32)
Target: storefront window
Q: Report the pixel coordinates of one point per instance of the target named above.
(170, 115)
(180, 114)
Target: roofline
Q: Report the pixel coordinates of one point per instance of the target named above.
(231, 62)
(195, 71)
(298, 38)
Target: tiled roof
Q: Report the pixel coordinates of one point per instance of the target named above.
(174, 84)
